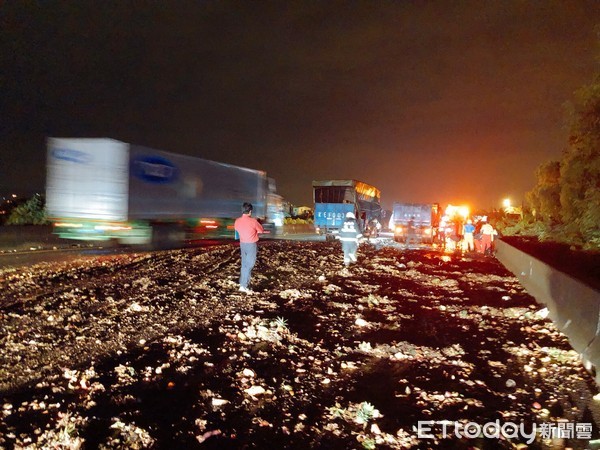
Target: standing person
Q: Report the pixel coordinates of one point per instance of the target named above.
(487, 237)
(363, 220)
(441, 234)
(468, 230)
(349, 235)
(376, 226)
(247, 229)
(411, 232)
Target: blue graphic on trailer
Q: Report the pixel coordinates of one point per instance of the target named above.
(331, 215)
(76, 156)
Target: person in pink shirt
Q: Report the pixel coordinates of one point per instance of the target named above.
(248, 229)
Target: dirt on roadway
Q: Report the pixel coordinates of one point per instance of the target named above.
(160, 350)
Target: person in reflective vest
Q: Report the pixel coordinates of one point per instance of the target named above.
(349, 235)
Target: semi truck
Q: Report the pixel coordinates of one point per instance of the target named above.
(334, 198)
(422, 219)
(104, 189)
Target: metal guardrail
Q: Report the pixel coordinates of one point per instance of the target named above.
(573, 306)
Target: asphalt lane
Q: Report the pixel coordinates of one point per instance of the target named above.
(35, 253)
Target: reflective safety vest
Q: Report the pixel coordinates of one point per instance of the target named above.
(349, 231)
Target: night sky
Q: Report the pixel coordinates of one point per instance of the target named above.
(429, 101)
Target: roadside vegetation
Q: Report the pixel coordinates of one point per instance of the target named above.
(564, 205)
(297, 221)
(31, 212)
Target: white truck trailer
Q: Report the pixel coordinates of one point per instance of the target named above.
(104, 189)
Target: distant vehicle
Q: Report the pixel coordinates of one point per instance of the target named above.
(334, 198)
(103, 189)
(425, 217)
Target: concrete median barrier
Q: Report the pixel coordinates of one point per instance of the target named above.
(573, 306)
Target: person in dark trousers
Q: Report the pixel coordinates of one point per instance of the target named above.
(349, 235)
(411, 232)
(248, 229)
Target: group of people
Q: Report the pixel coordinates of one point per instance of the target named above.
(248, 228)
(485, 238)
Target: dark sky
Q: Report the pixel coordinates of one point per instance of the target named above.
(429, 101)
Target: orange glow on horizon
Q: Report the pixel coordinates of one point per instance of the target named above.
(462, 211)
